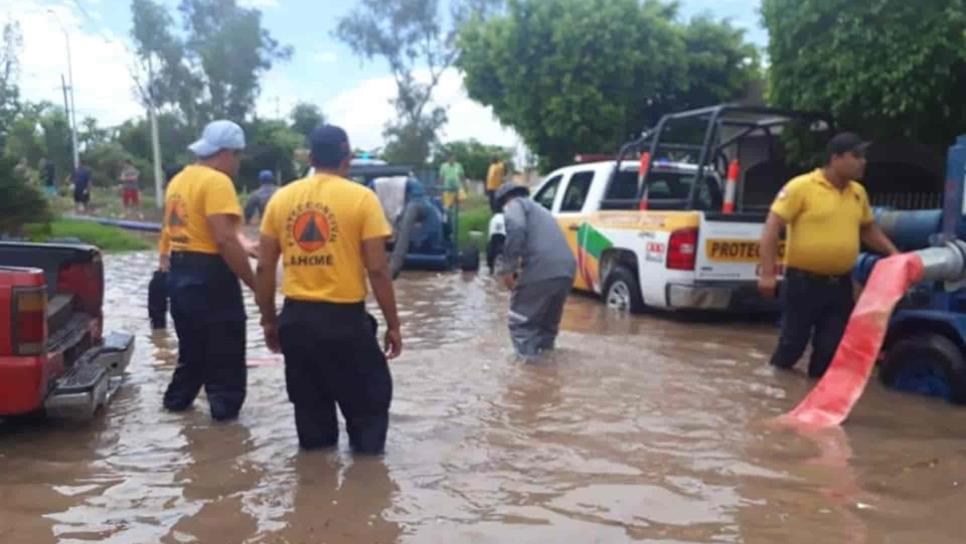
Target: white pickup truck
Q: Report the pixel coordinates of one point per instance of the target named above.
(650, 236)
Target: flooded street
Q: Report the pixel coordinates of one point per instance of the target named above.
(639, 429)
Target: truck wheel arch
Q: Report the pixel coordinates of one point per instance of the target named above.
(622, 265)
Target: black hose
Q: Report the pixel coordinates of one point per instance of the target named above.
(411, 214)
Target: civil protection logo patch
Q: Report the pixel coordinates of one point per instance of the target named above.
(312, 227)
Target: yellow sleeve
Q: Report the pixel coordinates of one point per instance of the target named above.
(270, 226)
(867, 216)
(790, 200)
(374, 224)
(221, 198)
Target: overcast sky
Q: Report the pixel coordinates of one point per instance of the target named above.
(351, 92)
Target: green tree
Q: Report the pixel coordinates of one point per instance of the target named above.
(271, 146)
(214, 71)
(20, 202)
(56, 134)
(410, 142)
(25, 140)
(888, 68)
(413, 38)
(90, 134)
(11, 42)
(473, 155)
(576, 76)
(306, 117)
(174, 133)
(106, 160)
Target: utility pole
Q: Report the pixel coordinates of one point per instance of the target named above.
(73, 107)
(70, 110)
(63, 84)
(155, 140)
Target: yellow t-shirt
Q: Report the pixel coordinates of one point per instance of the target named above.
(195, 193)
(494, 176)
(823, 223)
(320, 223)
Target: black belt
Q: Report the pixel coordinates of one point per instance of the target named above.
(345, 308)
(192, 258)
(827, 278)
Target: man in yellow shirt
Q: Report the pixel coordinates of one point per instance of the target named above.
(201, 219)
(494, 178)
(331, 234)
(826, 214)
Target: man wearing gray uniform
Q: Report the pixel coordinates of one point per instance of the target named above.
(538, 267)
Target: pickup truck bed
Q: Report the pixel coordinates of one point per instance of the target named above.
(54, 355)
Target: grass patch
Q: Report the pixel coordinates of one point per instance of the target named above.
(475, 215)
(106, 202)
(107, 238)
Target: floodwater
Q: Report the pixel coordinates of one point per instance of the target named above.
(639, 429)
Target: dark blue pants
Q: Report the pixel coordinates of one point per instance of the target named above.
(158, 300)
(815, 308)
(332, 358)
(209, 318)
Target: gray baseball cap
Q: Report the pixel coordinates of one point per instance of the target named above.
(508, 189)
(218, 135)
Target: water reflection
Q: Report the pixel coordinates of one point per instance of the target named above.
(639, 428)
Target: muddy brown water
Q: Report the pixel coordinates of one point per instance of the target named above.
(639, 429)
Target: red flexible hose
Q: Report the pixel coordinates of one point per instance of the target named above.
(830, 402)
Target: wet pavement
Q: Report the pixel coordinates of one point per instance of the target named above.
(639, 429)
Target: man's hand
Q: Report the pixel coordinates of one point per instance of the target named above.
(270, 328)
(767, 285)
(510, 281)
(250, 246)
(164, 262)
(394, 343)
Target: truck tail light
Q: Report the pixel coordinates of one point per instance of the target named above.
(682, 249)
(29, 320)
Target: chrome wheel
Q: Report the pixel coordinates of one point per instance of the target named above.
(619, 296)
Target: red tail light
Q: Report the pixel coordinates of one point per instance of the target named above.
(29, 320)
(682, 249)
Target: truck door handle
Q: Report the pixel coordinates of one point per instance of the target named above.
(574, 227)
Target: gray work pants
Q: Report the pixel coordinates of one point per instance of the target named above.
(535, 312)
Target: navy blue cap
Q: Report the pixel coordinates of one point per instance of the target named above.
(329, 145)
(266, 176)
(847, 142)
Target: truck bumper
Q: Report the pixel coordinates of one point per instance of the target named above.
(93, 379)
(739, 297)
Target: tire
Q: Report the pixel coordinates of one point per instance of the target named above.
(470, 259)
(622, 292)
(926, 364)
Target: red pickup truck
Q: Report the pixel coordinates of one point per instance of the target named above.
(53, 355)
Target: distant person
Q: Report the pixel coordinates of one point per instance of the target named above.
(170, 171)
(130, 185)
(538, 267)
(827, 215)
(50, 178)
(208, 258)
(494, 178)
(258, 200)
(81, 179)
(331, 233)
(453, 180)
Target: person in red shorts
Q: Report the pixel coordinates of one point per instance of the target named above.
(131, 192)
